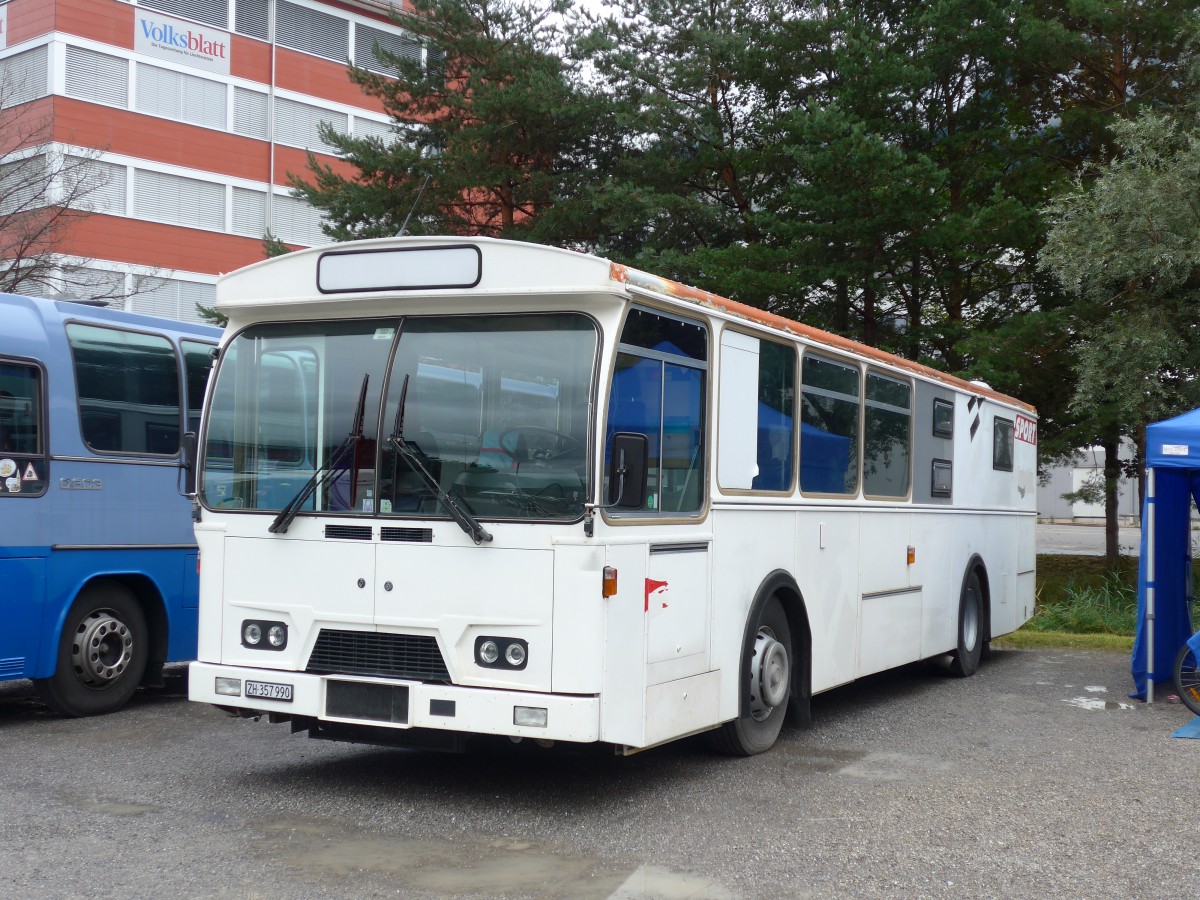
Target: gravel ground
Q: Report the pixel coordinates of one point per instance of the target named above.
(1035, 778)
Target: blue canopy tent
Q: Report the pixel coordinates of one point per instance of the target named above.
(1165, 567)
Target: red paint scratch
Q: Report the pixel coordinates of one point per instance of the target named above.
(651, 587)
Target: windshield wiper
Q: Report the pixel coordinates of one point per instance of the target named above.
(335, 463)
(415, 459)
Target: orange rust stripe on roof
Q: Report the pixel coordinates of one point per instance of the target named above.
(638, 278)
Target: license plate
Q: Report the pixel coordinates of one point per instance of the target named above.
(267, 690)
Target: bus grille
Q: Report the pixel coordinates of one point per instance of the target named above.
(409, 656)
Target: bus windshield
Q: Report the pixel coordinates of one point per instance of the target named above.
(488, 412)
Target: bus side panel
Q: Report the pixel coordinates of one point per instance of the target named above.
(22, 604)
(578, 664)
(167, 571)
(944, 543)
(622, 703)
(826, 568)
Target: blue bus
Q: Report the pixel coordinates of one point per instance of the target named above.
(98, 583)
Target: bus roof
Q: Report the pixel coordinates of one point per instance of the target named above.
(26, 321)
(453, 265)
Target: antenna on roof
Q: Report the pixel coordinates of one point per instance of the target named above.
(404, 226)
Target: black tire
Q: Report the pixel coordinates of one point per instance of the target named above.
(767, 662)
(964, 661)
(102, 653)
(1187, 679)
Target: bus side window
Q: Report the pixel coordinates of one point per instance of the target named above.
(22, 447)
(659, 389)
(128, 387)
(830, 397)
(197, 364)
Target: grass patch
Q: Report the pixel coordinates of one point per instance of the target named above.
(1031, 640)
(1082, 603)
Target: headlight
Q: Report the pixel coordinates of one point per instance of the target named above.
(501, 652)
(489, 652)
(254, 630)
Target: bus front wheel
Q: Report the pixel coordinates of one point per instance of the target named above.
(101, 655)
(964, 661)
(766, 674)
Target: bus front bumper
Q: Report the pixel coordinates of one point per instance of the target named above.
(397, 704)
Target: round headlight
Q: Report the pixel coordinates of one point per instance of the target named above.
(515, 654)
(277, 635)
(489, 652)
(251, 634)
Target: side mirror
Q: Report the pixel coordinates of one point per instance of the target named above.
(627, 470)
(188, 446)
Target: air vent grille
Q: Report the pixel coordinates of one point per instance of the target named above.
(349, 532)
(409, 656)
(414, 535)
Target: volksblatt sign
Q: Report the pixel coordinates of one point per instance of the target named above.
(181, 42)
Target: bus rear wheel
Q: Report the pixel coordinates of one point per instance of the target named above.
(766, 674)
(964, 661)
(101, 655)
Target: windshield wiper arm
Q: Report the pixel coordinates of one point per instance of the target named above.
(322, 474)
(414, 458)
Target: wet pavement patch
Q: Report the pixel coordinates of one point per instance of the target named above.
(465, 866)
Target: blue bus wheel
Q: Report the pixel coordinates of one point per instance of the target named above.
(101, 655)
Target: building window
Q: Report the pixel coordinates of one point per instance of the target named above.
(23, 77)
(97, 77)
(296, 221)
(128, 387)
(887, 437)
(370, 128)
(210, 12)
(366, 39)
(249, 212)
(174, 298)
(95, 185)
(24, 185)
(829, 401)
(250, 18)
(200, 101)
(179, 201)
(1002, 445)
(299, 124)
(312, 32)
(250, 113)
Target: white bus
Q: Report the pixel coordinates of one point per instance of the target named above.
(467, 486)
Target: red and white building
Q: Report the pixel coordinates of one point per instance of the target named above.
(199, 110)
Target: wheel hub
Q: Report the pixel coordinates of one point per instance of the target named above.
(770, 674)
(102, 649)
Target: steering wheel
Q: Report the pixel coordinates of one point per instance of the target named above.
(566, 442)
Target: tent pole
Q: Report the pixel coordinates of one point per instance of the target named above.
(1151, 506)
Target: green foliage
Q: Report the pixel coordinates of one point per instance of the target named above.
(1107, 608)
(488, 135)
(273, 246)
(212, 316)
